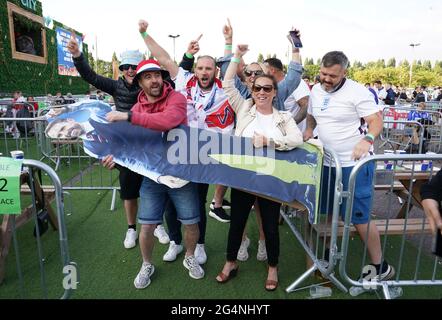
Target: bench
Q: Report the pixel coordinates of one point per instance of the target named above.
(395, 227)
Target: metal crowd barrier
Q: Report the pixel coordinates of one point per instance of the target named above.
(66, 263)
(397, 177)
(312, 240)
(77, 170)
(433, 128)
(399, 135)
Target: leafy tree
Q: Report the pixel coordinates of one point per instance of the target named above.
(391, 63)
(260, 58)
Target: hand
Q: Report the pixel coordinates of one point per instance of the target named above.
(73, 47)
(142, 25)
(298, 34)
(194, 46)
(241, 50)
(115, 116)
(308, 134)
(228, 32)
(259, 140)
(431, 209)
(360, 150)
(108, 162)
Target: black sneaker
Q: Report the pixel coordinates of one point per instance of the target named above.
(226, 205)
(387, 273)
(219, 214)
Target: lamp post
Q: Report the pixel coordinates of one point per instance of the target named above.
(174, 37)
(413, 45)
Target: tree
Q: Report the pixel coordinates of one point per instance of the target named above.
(380, 63)
(427, 65)
(391, 63)
(260, 58)
(358, 65)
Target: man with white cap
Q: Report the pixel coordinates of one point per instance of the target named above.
(124, 92)
(161, 108)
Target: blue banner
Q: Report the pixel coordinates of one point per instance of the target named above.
(65, 64)
(197, 155)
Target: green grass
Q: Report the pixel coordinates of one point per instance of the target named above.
(107, 270)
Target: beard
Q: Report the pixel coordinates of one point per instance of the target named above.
(156, 91)
(209, 86)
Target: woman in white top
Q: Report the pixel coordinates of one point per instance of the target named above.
(259, 120)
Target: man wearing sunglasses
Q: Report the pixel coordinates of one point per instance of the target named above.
(125, 92)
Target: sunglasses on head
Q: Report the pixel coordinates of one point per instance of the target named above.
(267, 88)
(126, 67)
(248, 73)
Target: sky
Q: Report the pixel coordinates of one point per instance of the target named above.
(363, 30)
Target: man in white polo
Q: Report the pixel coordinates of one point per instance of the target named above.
(341, 109)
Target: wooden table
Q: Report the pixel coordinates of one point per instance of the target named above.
(6, 229)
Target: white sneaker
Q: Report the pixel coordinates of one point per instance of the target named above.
(173, 251)
(262, 252)
(161, 234)
(200, 254)
(243, 254)
(131, 238)
(143, 277)
(195, 270)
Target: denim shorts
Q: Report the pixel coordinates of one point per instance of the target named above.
(362, 201)
(153, 200)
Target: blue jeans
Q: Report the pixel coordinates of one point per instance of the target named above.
(154, 197)
(363, 192)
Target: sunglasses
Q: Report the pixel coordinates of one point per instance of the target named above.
(126, 67)
(265, 88)
(254, 72)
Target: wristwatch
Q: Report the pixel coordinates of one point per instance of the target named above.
(129, 116)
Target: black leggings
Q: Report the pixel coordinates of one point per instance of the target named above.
(242, 202)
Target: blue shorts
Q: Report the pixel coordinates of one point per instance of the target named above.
(153, 200)
(363, 192)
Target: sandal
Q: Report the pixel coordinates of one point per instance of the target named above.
(271, 285)
(226, 277)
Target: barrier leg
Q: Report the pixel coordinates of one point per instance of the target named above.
(303, 277)
(114, 196)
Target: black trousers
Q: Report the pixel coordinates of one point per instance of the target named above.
(242, 202)
(174, 225)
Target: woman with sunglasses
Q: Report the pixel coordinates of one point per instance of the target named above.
(266, 126)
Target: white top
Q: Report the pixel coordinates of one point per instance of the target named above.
(264, 125)
(291, 103)
(338, 116)
(205, 110)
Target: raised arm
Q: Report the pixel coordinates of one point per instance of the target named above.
(105, 84)
(228, 38)
(235, 97)
(293, 77)
(157, 51)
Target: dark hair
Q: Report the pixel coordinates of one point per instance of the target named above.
(305, 77)
(378, 82)
(275, 63)
(333, 58)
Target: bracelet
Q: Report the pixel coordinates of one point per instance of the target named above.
(229, 47)
(143, 34)
(368, 139)
(236, 60)
(189, 55)
(370, 136)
